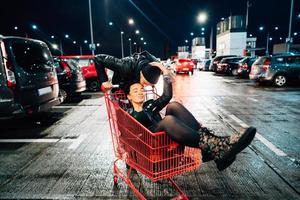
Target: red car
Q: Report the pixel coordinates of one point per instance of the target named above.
(86, 62)
(184, 66)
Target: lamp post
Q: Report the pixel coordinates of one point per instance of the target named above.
(130, 49)
(289, 40)
(92, 45)
(122, 49)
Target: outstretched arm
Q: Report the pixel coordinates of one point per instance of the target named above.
(158, 104)
(102, 61)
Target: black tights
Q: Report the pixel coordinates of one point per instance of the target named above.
(180, 125)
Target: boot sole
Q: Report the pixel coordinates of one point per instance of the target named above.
(223, 165)
(243, 142)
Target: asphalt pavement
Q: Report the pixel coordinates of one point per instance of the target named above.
(68, 154)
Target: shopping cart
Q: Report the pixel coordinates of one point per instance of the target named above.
(154, 155)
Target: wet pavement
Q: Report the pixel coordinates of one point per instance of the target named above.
(68, 154)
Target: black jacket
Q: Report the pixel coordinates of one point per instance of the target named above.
(125, 70)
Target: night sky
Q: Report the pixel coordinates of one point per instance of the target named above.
(161, 22)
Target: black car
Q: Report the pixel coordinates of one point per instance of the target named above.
(70, 77)
(28, 80)
(229, 65)
(245, 64)
(215, 61)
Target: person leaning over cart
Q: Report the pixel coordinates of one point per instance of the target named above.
(182, 127)
(140, 67)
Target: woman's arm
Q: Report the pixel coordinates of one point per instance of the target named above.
(122, 66)
(158, 104)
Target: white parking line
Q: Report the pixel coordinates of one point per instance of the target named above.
(252, 99)
(77, 142)
(44, 140)
(266, 142)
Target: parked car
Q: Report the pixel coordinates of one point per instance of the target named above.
(214, 63)
(229, 65)
(70, 78)
(28, 80)
(278, 69)
(86, 62)
(184, 66)
(245, 66)
(204, 64)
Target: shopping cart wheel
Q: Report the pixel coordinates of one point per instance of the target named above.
(115, 180)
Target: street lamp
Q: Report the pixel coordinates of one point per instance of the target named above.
(261, 28)
(137, 32)
(34, 27)
(67, 36)
(130, 50)
(186, 41)
(142, 38)
(92, 45)
(202, 17)
(289, 41)
(110, 23)
(52, 37)
(192, 34)
(130, 21)
(16, 28)
(122, 49)
(54, 46)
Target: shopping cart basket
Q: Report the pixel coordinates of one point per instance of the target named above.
(154, 155)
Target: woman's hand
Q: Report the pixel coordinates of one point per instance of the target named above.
(165, 71)
(106, 86)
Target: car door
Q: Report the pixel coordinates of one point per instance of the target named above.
(293, 63)
(6, 95)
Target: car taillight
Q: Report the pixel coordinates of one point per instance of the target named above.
(265, 67)
(244, 66)
(11, 79)
(67, 69)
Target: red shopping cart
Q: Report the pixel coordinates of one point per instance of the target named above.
(154, 155)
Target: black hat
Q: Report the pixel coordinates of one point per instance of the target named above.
(151, 73)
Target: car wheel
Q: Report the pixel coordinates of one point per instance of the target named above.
(234, 72)
(280, 80)
(63, 94)
(93, 85)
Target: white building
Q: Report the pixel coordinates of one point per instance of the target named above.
(231, 36)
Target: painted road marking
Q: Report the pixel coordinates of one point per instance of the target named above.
(252, 99)
(262, 139)
(77, 142)
(40, 140)
(50, 140)
(266, 142)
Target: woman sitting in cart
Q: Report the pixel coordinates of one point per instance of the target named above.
(181, 125)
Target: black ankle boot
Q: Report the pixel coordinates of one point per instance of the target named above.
(228, 156)
(223, 149)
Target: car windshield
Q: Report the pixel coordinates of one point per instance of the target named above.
(72, 64)
(226, 60)
(244, 60)
(32, 56)
(262, 60)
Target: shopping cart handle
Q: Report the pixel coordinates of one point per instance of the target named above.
(113, 86)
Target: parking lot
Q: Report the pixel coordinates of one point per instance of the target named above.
(68, 154)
